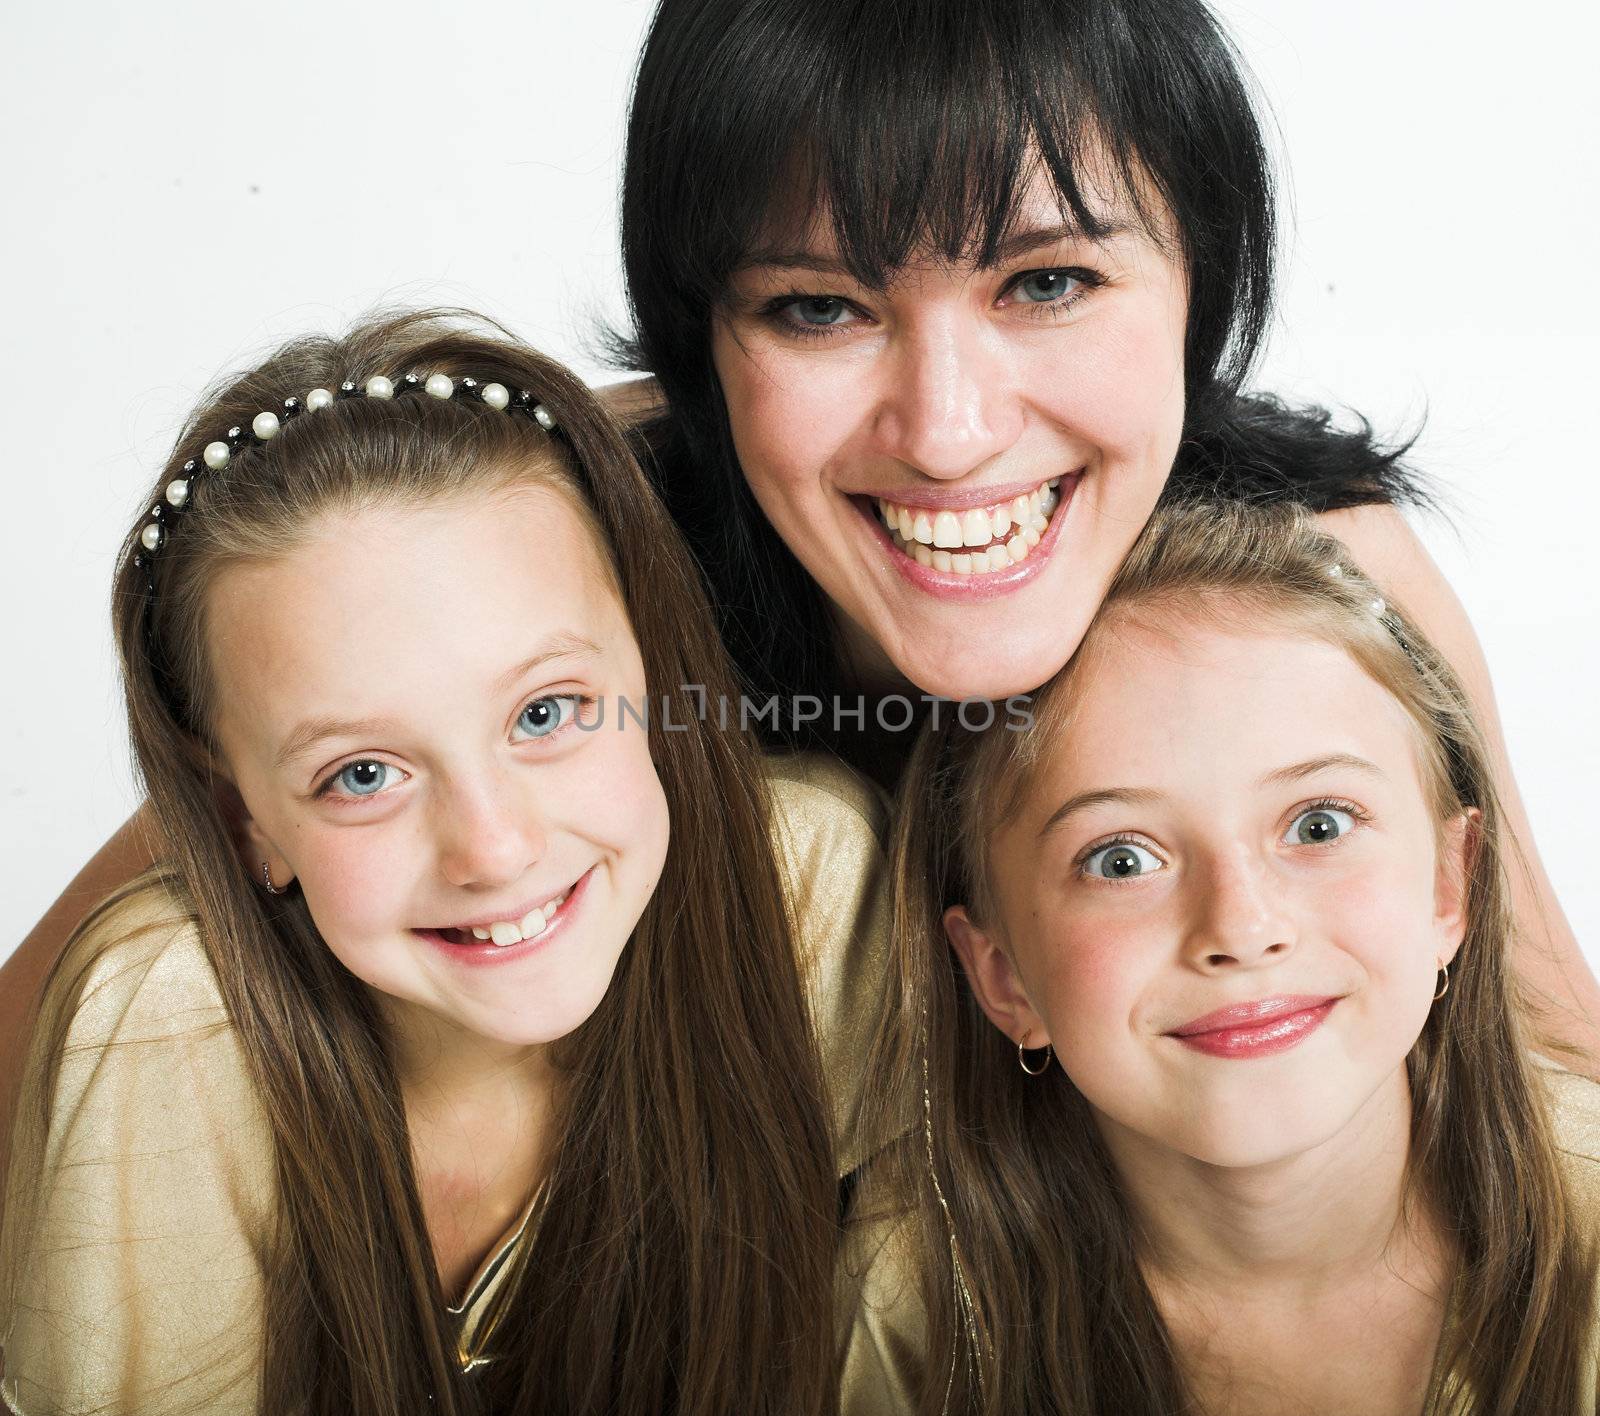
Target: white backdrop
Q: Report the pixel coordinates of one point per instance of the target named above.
(185, 183)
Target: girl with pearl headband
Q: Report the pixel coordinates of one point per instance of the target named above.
(1229, 1106)
(455, 1055)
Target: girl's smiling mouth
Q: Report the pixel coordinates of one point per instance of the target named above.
(1255, 1029)
(488, 940)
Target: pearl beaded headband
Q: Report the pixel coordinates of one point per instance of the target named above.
(266, 426)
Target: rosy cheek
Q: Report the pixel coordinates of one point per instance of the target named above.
(1092, 978)
(353, 881)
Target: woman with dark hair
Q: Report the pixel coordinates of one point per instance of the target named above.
(942, 301)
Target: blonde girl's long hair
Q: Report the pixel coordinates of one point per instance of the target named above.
(683, 1258)
(1029, 1265)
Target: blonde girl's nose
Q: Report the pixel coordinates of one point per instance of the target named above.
(1240, 916)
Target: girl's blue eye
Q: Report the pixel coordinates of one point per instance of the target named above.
(1040, 287)
(1122, 860)
(364, 779)
(818, 310)
(1318, 826)
(544, 716)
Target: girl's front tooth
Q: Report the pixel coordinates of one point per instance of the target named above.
(946, 530)
(504, 933)
(479, 933)
(532, 923)
(922, 528)
(976, 529)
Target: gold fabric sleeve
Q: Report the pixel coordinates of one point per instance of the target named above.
(139, 1195)
(830, 825)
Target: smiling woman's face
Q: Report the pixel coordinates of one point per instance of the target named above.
(961, 460)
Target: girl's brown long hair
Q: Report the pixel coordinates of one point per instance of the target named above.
(1029, 1262)
(683, 1258)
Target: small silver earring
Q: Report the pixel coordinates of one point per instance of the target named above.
(266, 875)
(1444, 987)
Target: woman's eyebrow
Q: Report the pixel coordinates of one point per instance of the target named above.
(1011, 248)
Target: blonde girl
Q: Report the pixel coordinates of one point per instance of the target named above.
(1230, 1108)
(455, 1055)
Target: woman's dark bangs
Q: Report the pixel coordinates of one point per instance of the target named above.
(925, 148)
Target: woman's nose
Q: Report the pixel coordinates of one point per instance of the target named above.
(488, 834)
(1240, 916)
(948, 405)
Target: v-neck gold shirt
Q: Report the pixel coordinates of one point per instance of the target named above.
(141, 1287)
(885, 1337)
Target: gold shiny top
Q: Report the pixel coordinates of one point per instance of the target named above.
(885, 1338)
(140, 1286)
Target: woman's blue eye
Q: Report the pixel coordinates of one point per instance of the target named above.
(818, 310)
(1121, 861)
(1040, 287)
(544, 716)
(1318, 826)
(365, 778)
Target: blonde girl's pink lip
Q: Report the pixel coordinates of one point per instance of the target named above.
(487, 954)
(947, 585)
(1260, 1010)
(1255, 1029)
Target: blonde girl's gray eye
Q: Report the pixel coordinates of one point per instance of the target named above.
(365, 778)
(1319, 826)
(1122, 860)
(544, 716)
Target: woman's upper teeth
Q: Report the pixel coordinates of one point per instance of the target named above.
(514, 931)
(977, 526)
(1005, 531)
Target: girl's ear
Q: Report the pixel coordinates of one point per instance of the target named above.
(994, 979)
(1458, 844)
(263, 862)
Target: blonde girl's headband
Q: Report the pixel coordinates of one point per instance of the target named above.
(265, 426)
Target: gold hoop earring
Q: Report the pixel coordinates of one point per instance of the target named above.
(266, 875)
(1444, 987)
(1043, 1067)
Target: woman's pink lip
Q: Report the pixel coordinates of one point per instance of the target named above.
(964, 500)
(947, 584)
(1255, 1029)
